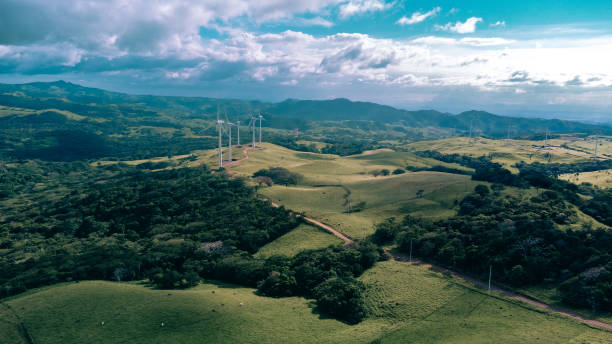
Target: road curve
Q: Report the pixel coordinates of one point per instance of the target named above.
(525, 299)
(481, 284)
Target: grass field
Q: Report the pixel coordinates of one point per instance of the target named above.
(507, 152)
(407, 304)
(304, 237)
(603, 179)
(604, 146)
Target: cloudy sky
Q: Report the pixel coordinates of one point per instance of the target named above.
(547, 58)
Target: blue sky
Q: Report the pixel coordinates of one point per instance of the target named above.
(528, 58)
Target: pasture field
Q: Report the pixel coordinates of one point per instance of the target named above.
(383, 196)
(330, 181)
(604, 146)
(304, 237)
(507, 152)
(603, 179)
(406, 303)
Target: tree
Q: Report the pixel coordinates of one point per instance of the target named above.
(419, 193)
(482, 190)
(341, 297)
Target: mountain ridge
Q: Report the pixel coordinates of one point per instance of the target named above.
(338, 109)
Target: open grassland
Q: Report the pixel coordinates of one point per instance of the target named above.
(330, 181)
(432, 308)
(383, 196)
(406, 304)
(604, 146)
(506, 152)
(603, 179)
(13, 111)
(304, 237)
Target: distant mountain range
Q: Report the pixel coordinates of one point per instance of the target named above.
(86, 101)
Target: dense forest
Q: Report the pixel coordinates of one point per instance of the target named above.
(173, 228)
(598, 204)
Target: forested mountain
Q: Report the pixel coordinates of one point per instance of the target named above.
(66, 96)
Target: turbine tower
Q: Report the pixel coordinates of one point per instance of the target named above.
(220, 125)
(229, 129)
(260, 118)
(252, 126)
(471, 131)
(238, 132)
(595, 149)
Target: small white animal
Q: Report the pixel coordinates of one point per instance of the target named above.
(241, 304)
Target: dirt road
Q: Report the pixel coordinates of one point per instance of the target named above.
(478, 283)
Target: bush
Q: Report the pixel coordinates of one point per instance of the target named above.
(399, 171)
(386, 231)
(279, 175)
(342, 298)
(278, 284)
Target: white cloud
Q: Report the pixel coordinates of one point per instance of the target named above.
(155, 41)
(498, 23)
(316, 21)
(355, 7)
(468, 26)
(486, 42)
(472, 41)
(417, 17)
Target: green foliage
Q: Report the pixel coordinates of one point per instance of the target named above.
(342, 297)
(592, 288)
(168, 226)
(279, 175)
(521, 239)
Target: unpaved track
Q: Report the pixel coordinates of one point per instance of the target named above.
(484, 285)
(23, 331)
(478, 283)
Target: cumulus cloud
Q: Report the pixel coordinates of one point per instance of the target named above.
(469, 26)
(159, 43)
(418, 17)
(498, 23)
(316, 21)
(355, 7)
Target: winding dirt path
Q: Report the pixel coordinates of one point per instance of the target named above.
(478, 283)
(18, 322)
(484, 285)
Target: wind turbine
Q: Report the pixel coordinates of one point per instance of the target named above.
(220, 125)
(229, 128)
(595, 149)
(260, 118)
(252, 127)
(238, 132)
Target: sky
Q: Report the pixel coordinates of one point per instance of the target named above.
(540, 58)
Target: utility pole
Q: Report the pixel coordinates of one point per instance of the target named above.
(595, 149)
(490, 271)
(348, 207)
